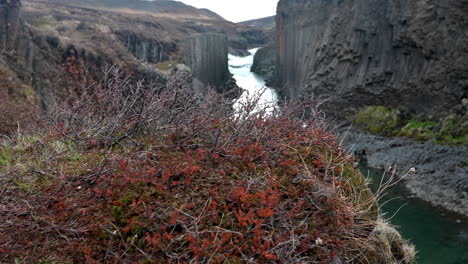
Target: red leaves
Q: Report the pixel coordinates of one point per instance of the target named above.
(237, 201)
(123, 165)
(288, 163)
(174, 217)
(152, 171)
(153, 240)
(191, 170)
(265, 213)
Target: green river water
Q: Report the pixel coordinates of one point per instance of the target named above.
(440, 237)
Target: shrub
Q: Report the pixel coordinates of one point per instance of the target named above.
(378, 120)
(136, 174)
(453, 131)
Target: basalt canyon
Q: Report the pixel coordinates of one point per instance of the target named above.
(153, 131)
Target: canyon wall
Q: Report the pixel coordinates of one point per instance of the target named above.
(48, 48)
(411, 55)
(207, 57)
(147, 49)
(264, 63)
(18, 52)
(9, 23)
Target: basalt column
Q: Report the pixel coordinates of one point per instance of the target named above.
(207, 57)
(9, 23)
(410, 55)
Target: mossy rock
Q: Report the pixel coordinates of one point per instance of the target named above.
(378, 120)
(420, 130)
(381, 120)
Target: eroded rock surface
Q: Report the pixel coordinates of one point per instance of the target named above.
(411, 55)
(264, 63)
(207, 57)
(9, 23)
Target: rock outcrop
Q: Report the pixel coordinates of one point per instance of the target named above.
(9, 23)
(150, 50)
(207, 57)
(255, 37)
(411, 55)
(264, 63)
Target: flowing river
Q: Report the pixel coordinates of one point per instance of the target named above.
(440, 237)
(253, 84)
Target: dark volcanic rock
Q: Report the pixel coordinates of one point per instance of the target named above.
(207, 57)
(150, 50)
(9, 23)
(256, 37)
(440, 171)
(264, 63)
(411, 55)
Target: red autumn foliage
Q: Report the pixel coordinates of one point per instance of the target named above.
(192, 184)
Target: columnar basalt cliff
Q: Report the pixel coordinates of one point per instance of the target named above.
(18, 52)
(9, 23)
(150, 50)
(207, 57)
(410, 55)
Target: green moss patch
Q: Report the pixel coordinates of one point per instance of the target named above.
(378, 120)
(385, 121)
(165, 66)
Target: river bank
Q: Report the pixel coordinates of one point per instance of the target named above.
(439, 236)
(440, 175)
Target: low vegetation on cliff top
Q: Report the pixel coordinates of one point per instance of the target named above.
(386, 121)
(127, 174)
(16, 102)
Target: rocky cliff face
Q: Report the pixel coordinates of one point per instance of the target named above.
(411, 55)
(48, 44)
(264, 63)
(207, 57)
(18, 52)
(9, 23)
(150, 50)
